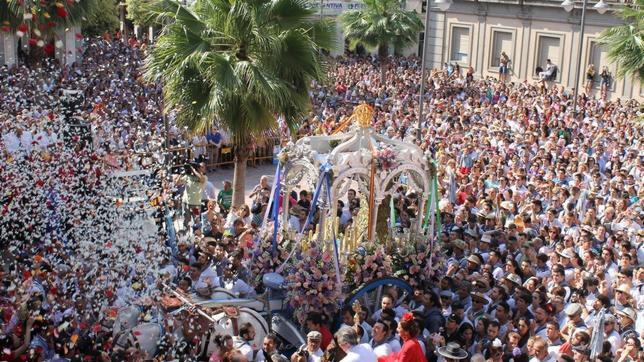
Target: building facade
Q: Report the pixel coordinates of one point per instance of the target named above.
(474, 33)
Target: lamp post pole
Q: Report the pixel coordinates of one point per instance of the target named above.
(423, 62)
(581, 47)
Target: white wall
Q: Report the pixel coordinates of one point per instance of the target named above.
(9, 44)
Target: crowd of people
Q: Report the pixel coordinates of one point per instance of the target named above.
(541, 218)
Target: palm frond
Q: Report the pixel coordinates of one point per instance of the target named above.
(625, 43)
(238, 63)
(380, 23)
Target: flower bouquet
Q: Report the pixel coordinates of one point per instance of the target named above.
(366, 263)
(411, 263)
(311, 281)
(265, 261)
(385, 159)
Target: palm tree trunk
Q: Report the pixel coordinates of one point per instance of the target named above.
(239, 177)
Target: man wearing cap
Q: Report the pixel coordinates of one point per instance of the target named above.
(623, 296)
(450, 333)
(575, 322)
(311, 351)
(479, 301)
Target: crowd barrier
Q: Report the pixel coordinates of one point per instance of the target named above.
(217, 157)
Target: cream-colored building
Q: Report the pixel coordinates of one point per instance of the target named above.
(474, 33)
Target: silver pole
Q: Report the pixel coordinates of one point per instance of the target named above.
(321, 8)
(423, 61)
(581, 48)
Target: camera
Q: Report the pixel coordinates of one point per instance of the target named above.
(302, 352)
(190, 168)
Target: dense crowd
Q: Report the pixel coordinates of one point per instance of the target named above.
(541, 219)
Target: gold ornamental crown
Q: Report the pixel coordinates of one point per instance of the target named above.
(363, 114)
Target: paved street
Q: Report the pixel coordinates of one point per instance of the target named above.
(252, 177)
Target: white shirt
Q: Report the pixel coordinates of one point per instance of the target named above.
(615, 341)
(209, 192)
(360, 353)
(382, 350)
(315, 356)
(394, 343)
(199, 150)
(244, 347)
(207, 278)
(239, 287)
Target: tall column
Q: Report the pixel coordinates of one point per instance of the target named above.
(70, 45)
(523, 69)
(9, 45)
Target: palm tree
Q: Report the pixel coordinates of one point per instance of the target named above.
(379, 25)
(238, 64)
(625, 42)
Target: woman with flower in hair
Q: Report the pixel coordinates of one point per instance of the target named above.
(408, 330)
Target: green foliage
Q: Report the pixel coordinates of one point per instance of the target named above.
(138, 12)
(103, 18)
(381, 23)
(238, 63)
(625, 42)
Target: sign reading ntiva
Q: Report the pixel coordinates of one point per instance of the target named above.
(338, 7)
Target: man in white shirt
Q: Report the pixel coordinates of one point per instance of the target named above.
(541, 351)
(207, 280)
(244, 342)
(379, 332)
(348, 341)
(311, 351)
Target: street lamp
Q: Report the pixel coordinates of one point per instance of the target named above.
(601, 7)
(443, 5)
(568, 5)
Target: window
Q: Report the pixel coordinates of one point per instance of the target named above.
(502, 41)
(460, 45)
(598, 56)
(549, 47)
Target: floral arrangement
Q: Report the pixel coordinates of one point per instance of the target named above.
(265, 261)
(366, 263)
(411, 263)
(385, 159)
(311, 281)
